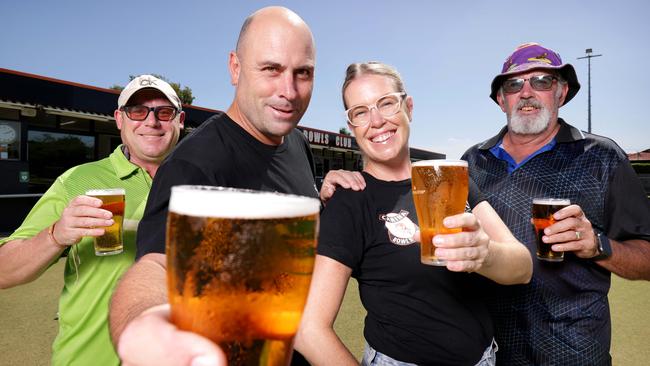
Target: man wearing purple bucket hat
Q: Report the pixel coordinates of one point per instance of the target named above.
(562, 316)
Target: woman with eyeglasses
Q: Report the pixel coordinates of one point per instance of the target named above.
(417, 314)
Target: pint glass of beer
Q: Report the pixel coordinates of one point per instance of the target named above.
(239, 264)
(439, 190)
(112, 200)
(543, 210)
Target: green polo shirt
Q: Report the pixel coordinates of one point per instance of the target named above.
(83, 337)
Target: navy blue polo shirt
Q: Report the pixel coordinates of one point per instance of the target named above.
(562, 316)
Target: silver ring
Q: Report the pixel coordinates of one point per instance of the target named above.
(578, 235)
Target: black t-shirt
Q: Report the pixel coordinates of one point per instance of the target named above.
(221, 153)
(416, 313)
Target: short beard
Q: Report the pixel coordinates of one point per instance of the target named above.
(529, 125)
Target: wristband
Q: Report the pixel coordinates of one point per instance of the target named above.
(50, 233)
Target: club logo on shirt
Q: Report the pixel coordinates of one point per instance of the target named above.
(400, 228)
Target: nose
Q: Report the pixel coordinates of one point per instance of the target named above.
(376, 119)
(527, 90)
(151, 120)
(287, 87)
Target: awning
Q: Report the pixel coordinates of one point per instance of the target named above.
(78, 114)
(24, 108)
(28, 109)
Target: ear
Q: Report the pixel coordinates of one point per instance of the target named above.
(565, 91)
(409, 107)
(181, 120)
(118, 118)
(501, 101)
(234, 67)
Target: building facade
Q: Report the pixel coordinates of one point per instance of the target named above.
(49, 125)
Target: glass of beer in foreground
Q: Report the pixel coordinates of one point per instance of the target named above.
(440, 189)
(239, 264)
(543, 210)
(112, 200)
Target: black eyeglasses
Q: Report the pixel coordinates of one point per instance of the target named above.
(539, 82)
(141, 112)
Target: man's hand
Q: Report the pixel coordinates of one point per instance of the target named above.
(151, 339)
(574, 231)
(465, 251)
(344, 178)
(82, 217)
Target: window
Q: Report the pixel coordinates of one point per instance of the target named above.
(9, 140)
(337, 160)
(52, 153)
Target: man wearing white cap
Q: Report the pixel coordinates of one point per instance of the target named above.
(149, 118)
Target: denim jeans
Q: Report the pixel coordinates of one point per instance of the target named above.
(373, 358)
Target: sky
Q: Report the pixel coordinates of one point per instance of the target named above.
(447, 52)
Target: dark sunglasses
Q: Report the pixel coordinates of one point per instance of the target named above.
(141, 112)
(539, 82)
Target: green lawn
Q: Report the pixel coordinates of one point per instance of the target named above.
(27, 325)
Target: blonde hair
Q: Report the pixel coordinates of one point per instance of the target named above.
(371, 68)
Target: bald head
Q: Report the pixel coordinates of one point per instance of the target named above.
(270, 16)
(273, 73)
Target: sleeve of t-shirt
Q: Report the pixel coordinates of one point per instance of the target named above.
(341, 233)
(627, 208)
(153, 226)
(475, 196)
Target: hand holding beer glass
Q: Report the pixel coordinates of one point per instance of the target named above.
(440, 189)
(543, 210)
(239, 267)
(113, 200)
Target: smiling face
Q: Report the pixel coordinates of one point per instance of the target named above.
(530, 111)
(384, 140)
(273, 71)
(149, 141)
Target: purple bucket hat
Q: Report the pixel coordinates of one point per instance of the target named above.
(529, 56)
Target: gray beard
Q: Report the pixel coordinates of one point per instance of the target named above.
(529, 125)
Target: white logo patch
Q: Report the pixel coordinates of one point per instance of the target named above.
(400, 228)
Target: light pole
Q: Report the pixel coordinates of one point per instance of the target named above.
(588, 51)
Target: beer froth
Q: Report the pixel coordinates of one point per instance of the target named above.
(105, 192)
(207, 201)
(551, 201)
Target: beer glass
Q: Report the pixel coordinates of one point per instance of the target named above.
(440, 189)
(239, 264)
(112, 200)
(543, 210)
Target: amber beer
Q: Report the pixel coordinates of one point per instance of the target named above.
(239, 266)
(543, 210)
(112, 200)
(439, 190)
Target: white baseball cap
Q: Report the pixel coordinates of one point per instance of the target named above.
(148, 82)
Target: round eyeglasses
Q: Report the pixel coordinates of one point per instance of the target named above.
(539, 82)
(387, 105)
(141, 112)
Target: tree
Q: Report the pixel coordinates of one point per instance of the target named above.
(344, 131)
(185, 94)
